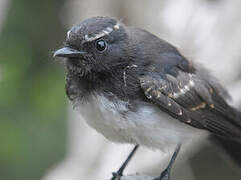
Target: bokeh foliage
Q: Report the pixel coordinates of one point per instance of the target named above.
(32, 99)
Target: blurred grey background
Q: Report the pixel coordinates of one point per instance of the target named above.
(42, 138)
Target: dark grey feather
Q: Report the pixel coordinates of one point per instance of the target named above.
(138, 67)
(202, 104)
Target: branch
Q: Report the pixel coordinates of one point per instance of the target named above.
(137, 177)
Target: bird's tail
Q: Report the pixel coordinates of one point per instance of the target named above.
(232, 148)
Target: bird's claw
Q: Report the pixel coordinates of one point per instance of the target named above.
(116, 176)
(165, 175)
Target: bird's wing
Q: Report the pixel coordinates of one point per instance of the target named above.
(194, 99)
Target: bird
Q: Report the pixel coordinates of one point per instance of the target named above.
(133, 87)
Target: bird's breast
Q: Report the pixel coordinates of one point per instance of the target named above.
(146, 126)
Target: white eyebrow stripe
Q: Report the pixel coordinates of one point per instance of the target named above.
(97, 36)
(104, 32)
(109, 29)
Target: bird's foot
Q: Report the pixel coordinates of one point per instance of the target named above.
(165, 175)
(117, 175)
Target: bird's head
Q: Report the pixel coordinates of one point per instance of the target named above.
(97, 44)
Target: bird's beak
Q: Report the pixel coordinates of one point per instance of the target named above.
(68, 52)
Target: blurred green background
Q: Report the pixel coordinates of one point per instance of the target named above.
(32, 98)
(33, 104)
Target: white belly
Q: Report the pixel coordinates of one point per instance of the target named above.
(148, 126)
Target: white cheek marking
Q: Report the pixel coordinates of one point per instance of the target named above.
(124, 72)
(68, 34)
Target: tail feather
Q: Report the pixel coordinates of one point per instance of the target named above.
(232, 148)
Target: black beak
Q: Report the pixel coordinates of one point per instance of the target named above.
(68, 52)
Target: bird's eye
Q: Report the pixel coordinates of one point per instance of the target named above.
(100, 45)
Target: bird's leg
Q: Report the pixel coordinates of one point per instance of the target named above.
(117, 175)
(165, 175)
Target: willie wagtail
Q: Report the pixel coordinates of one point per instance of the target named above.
(134, 87)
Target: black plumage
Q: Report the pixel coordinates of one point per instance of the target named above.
(138, 67)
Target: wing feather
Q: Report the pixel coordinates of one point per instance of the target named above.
(194, 100)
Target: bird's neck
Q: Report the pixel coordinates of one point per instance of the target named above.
(82, 86)
(120, 83)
